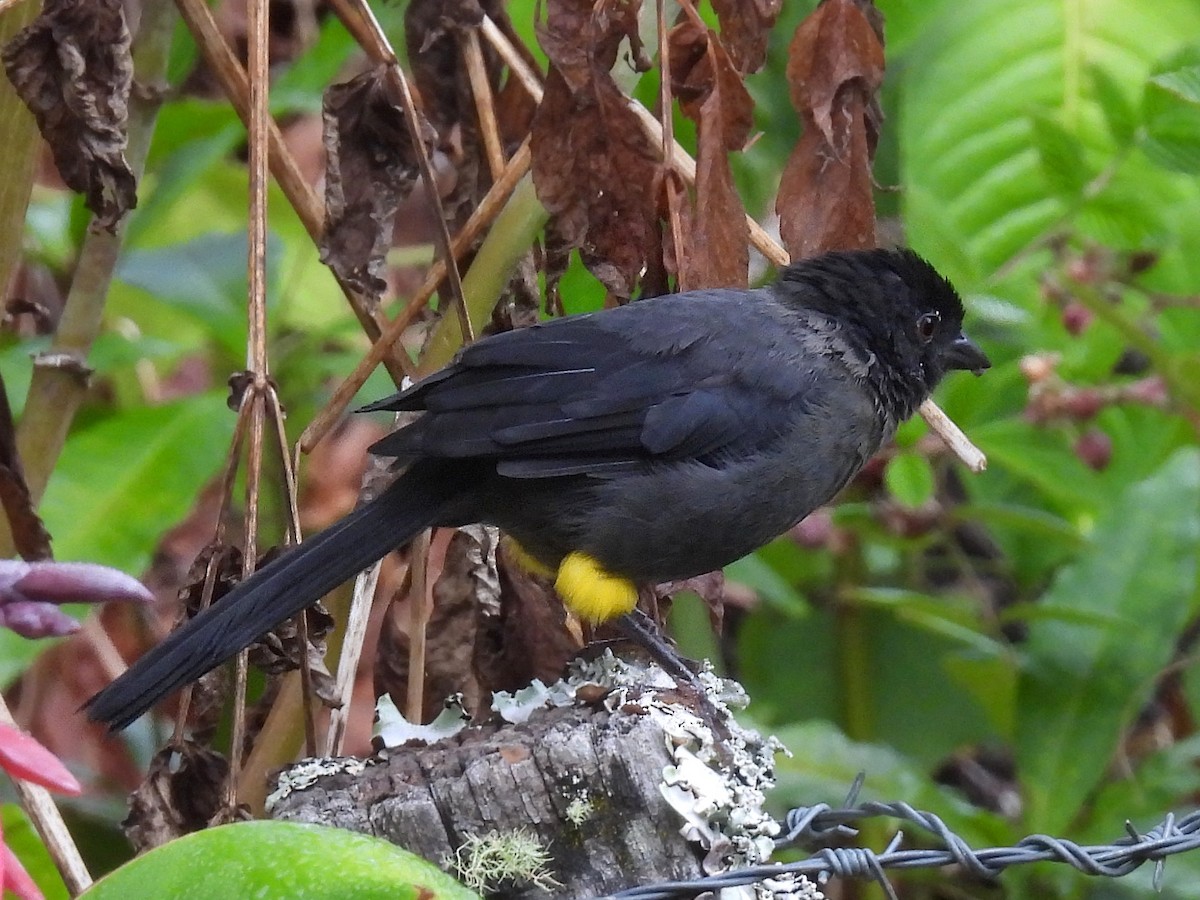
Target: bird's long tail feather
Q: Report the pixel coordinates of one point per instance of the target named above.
(274, 594)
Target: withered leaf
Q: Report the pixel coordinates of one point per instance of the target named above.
(30, 537)
(181, 794)
(745, 30)
(711, 91)
(461, 568)
(218, 563)
(434, 32)
(73, 70)
(593, 165)
(431, 33)
(530, 637)
(835, 68)
(371, 165)
(282, 650)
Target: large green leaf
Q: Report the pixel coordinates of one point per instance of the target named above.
(1083, 683)
(121, 483)
(278, 859)
(980, 89)
(891, 672)
(1172, 111)
(205, 278)
(822, 763)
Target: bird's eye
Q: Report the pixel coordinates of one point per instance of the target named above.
(927, 326)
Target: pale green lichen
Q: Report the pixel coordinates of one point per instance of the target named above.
(580, 809)
(515, 857)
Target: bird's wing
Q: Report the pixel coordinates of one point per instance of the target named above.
(674, 378)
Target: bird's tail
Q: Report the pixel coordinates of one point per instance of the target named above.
(274, 594)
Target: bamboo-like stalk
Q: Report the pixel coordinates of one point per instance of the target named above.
(59, 381)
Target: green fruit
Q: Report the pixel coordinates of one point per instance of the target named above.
(284, 860)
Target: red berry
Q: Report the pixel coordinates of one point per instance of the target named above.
(1095, 448)
(1076, 318)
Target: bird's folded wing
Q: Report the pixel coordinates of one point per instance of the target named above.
(597, 396)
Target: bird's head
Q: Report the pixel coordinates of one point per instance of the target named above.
(897, 308)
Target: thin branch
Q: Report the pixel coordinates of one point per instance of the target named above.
(255, 399)
(485, 102)
(516, 63)
(256, 343)
(418, 621)
(352, 644)
(293, 535)
(667, 115)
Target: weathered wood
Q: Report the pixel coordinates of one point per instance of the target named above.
(583, 780)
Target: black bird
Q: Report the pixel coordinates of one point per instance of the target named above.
(648, 443)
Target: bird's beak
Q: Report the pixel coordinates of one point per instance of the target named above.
(964, 353)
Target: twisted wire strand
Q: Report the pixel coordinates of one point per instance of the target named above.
(821, 823)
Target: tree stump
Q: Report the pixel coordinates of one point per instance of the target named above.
(615, 792)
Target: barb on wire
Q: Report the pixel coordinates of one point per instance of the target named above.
(819, 824)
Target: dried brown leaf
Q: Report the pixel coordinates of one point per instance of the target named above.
(181, 794)
(434, 34)
(710, 588)
(745, 30)
(73, 70)
(371, 166)
(711, 91)
(835, 68)
(462, 567)
(530, 637)
(431, 33)
(30, 537)
(593, 165)
(281, 650)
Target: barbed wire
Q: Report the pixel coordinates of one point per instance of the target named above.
(810, 825)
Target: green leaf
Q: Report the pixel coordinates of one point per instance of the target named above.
(977, 196)
(791, 666)
(176, 181)
(909, 478)
(1172, 113)
(204, 278)
(301, 87)
(23, 840)
(757, 574)
(121, 483)
(1083, 684)
(936, 615)
(16, 653)
(278, 859)
(823, 763)
(1120, 115)
(1061, 156)
(1043, 458)
(1183, 83)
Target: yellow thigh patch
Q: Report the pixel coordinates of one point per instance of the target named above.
(591, 592)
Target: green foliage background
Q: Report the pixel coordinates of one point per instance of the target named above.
(1020, 133)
